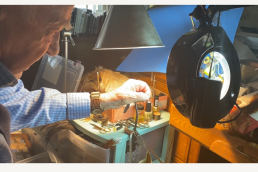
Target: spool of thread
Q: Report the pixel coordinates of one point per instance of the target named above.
(156, 116)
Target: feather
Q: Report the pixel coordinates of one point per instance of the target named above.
(109, 80)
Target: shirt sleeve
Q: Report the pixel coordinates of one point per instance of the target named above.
(40, 107)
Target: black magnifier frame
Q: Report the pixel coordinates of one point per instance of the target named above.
(184, 64)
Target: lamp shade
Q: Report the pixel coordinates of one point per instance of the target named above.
(128, 27)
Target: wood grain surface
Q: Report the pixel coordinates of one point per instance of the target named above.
(208, 136)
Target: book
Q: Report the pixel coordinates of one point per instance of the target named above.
(96, 24)
(84, 28)
(82, 20)
(89, 22)
(86, 21)
(78, 20)
(92, 25)
(73, 19)
(104, 16)
(100, 24)
(99, 13)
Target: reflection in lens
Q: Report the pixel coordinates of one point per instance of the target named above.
(220, 70)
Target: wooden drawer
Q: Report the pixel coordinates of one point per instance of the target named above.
(181, 146)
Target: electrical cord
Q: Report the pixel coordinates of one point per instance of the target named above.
(218, 19)
(240, 111)
(137, 134)
(136, 118)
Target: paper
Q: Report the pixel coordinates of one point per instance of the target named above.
(171, 22)
(255, 116)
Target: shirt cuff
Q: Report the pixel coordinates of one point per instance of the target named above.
(78, 105)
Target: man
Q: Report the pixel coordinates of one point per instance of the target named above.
(26, 34)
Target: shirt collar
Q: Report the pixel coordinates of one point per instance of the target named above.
(6, 77)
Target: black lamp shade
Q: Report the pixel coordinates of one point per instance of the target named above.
(128, 27)
(187, 62)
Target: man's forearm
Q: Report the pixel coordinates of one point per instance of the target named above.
(41, 107)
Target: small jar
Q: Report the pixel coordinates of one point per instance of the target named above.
(148, 113)
(140, 108)
(156, 116)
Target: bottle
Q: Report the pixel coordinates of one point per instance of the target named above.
(155, 110)
(140, 108)
(156, 102)
(148, 112)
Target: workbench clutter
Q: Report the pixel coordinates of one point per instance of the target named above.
(110, 81)
(246, 126)
(145, 111)
(154, 136)
(114, 115)
(141, 120)
(144, 117)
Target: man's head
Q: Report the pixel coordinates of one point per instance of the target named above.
(27, 32)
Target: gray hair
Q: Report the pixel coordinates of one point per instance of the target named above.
(28, 13)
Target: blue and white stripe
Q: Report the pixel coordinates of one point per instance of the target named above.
(40, 107)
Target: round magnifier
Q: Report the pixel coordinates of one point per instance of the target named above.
(203, 53)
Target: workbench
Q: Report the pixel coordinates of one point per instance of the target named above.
(120, 148)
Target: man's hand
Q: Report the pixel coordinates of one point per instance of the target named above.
(131, 91)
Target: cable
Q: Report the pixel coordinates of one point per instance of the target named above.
(240, 111)
(218, 19)
(192, 21)
(136, 118)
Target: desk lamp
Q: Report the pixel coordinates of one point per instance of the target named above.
(127, 27)
(203, 72)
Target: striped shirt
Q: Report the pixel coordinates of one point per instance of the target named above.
(40, 107)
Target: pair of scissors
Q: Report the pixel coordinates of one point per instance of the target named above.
(101, 130)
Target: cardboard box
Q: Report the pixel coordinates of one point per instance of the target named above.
(162, 99)
(118, 114)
